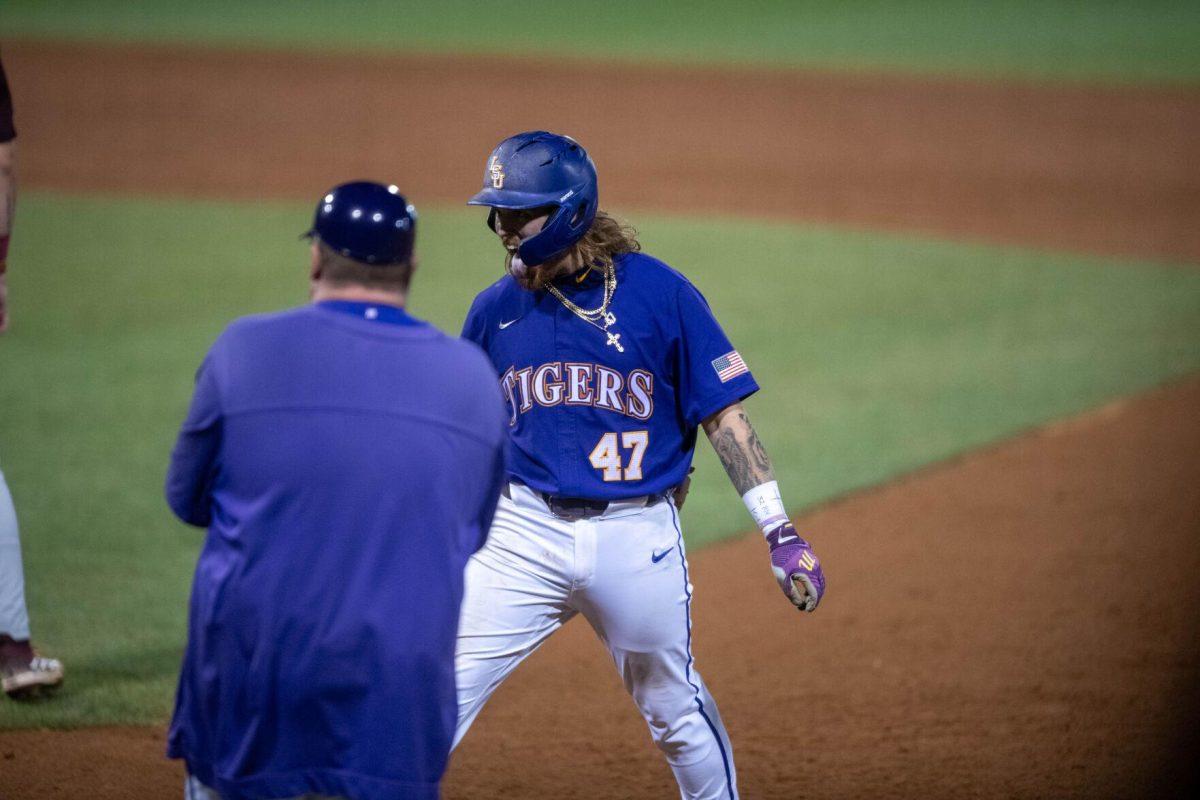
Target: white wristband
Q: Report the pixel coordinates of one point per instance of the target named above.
(766, 506)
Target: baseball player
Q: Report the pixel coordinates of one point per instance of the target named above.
(346, 458)
(23, 673)
(610, 361)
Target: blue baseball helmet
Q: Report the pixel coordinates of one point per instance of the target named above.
(536, 169)
(366, 221)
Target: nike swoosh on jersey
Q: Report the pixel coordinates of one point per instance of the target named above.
(504, 325)
(657, 557)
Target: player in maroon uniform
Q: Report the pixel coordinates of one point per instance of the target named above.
(22, 672)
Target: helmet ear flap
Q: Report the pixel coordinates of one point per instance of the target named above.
(581, 213)
(565, 226)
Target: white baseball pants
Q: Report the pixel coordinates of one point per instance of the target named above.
(14, 616)
(193, 789)
(626, 572)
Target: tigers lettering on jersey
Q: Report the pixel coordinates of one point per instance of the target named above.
(578, 384)
(588, 420)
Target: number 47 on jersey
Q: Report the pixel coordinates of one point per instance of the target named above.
(607, 456)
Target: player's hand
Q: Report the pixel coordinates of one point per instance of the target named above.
(681, 491)
(796, 567)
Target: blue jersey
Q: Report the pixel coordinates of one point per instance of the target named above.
(589, 419)
(347, 460)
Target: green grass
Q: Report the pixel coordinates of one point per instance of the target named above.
(1066, 39)
(877, 354)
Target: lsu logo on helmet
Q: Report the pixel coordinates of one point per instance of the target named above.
(497, 173)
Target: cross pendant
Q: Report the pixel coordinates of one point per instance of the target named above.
(614, 339)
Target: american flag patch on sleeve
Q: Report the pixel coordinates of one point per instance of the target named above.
(729, 366)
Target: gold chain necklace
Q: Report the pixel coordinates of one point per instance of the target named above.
(595, 315)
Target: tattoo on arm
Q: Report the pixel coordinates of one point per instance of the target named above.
(737, 465)
(740, 450)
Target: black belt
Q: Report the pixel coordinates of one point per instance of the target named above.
(574, 508)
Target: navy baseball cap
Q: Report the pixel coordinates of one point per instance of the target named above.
(366, 221)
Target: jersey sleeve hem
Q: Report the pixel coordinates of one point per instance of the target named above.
(734, 394)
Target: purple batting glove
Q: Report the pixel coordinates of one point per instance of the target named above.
(796, 567)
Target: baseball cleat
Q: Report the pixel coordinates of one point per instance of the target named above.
(29, 679)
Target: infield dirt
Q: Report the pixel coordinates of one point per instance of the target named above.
(1017, 623)
(1101, 170)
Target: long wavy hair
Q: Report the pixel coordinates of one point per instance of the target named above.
(608, 238)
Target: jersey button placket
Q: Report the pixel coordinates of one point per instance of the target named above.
(564, 421)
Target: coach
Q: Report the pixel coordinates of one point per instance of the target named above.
(346, 459)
